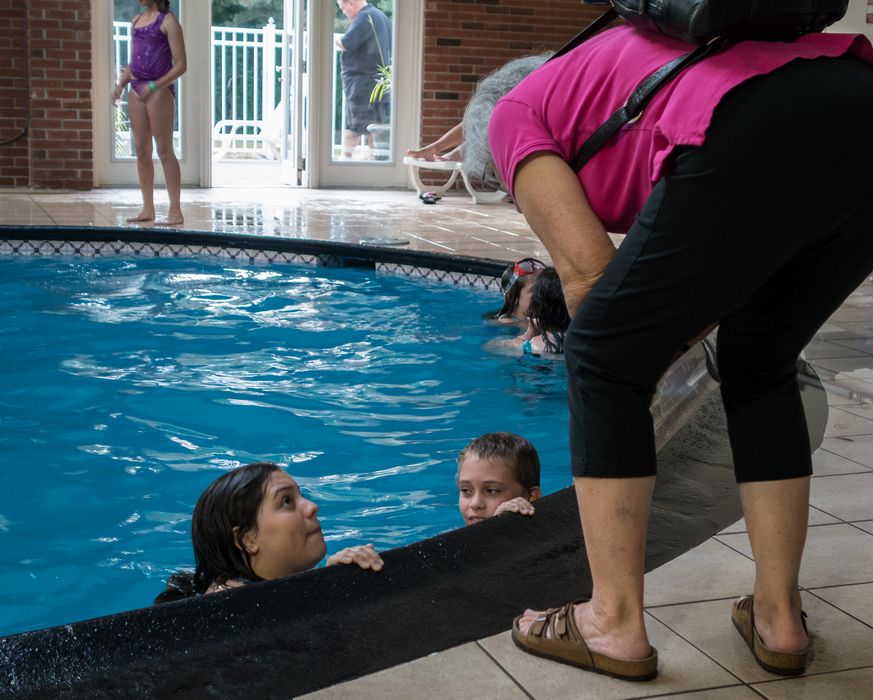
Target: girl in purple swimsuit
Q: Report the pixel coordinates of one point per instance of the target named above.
(158, 59)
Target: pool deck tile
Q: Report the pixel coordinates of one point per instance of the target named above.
(845, 685)
(682, 667)
(838, 640)
(701, 657)
(460, 672)
(710, 570)
(835, 555)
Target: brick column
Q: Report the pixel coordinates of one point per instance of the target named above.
(14, 156)
(60, 94)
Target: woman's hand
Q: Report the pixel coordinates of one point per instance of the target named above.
(117, 93)
(518, 505)
(576, 289)
(364, 556)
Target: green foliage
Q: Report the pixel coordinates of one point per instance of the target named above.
(225, 13)
(246, 13)
(125, 10)
(383, 84)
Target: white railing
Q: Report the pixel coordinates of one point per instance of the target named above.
(246, 78)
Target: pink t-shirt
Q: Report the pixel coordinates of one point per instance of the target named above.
(559, 105)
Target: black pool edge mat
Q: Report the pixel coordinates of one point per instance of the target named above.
(288, 637)
(332, 253)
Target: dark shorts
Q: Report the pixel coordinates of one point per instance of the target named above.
(766, 229)
(359, 113)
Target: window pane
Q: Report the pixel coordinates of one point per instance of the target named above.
(363, 99)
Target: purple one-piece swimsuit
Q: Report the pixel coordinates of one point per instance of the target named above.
(152, 58)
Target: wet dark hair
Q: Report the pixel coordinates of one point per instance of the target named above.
(548, 309)
(162, 5)
(513, 450)
(224, 513)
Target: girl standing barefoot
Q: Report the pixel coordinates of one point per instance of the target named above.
(157, 60)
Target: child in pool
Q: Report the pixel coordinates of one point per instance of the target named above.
(253, 524)
(546, 319)
(515, 283)
(497, 473)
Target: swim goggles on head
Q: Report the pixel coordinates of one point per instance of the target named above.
(524, 267)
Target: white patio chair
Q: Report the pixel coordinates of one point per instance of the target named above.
(454, 167)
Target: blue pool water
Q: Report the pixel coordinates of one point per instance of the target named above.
(129, 385)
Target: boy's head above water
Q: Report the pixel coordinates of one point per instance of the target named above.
(497, 469)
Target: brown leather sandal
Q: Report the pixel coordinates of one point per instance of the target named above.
(565, 645)
(779, 662)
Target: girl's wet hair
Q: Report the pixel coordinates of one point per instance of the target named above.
(224, 513)
(162, 5)
(548, 309)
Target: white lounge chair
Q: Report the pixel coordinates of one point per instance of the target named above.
(454, 167)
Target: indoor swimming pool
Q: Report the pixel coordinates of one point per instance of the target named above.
(131, 383)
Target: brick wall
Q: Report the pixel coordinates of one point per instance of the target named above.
(465, 40)
(57, 151)
(14, 158)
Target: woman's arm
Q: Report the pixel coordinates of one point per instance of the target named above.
(548, 193)
(173, 30)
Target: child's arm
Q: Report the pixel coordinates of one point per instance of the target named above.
(123, 79)
(364, 556)
(516, 505)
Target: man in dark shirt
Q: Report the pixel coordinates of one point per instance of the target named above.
(365, 46)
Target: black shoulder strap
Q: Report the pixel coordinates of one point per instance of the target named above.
(632, 109)
(589, 31)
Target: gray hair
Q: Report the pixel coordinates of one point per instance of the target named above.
(478, 162)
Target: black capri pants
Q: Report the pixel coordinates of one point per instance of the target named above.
(766, 229)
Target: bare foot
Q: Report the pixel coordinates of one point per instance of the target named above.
(174, 218)
(144, 215)
(625, 640)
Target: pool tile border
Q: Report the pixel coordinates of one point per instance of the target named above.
(253, 255)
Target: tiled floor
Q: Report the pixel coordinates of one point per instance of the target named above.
(701, 657)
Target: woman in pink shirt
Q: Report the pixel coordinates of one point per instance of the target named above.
(745, 192)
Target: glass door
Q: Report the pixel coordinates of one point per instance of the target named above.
(365, 90)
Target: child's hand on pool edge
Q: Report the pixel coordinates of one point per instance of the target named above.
(364, 556)
(518, 505)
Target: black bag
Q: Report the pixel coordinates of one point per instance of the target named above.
(699, 21)
(709, 23)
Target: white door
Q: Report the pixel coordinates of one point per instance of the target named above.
(295, 94)
(114, 157)
(376, 161)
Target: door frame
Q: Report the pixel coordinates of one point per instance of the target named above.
(406, 111)
(195, 163)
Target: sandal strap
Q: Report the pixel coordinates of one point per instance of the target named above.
(558, 624)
